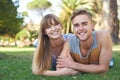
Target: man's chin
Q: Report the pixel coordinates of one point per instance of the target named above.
(82, 39)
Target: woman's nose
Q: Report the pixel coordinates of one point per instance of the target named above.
(53, 27)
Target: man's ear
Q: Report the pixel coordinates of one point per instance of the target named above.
(73, 29)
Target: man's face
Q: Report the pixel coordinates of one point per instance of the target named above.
(82, 27)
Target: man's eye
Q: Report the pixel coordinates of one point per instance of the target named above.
(76, 25)
(85, 23)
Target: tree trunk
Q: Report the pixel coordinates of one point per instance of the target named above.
(113, 21)
(105, 15)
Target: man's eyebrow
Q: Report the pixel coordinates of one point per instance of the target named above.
(75, 24)
(85, 22)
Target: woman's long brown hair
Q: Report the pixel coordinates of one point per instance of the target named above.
(44, 51)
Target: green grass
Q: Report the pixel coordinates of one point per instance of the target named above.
(15, 64)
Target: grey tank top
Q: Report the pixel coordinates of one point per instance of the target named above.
(74, 44)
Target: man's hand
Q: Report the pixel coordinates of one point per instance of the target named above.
(65, 62)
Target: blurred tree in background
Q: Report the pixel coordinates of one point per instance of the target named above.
(9, 22)
(29, 31)
(39, 5)
(113, 21)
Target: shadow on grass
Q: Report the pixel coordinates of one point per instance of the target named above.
(2, 55)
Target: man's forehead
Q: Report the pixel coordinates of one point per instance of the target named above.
(80, 22)
(80, 19)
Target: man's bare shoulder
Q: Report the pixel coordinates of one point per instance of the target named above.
(101, 32)
(102, 35)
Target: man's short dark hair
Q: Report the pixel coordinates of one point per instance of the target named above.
(79, 12)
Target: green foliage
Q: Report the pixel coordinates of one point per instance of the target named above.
(9, 24)
(25, 13)
(26, 33)
(68, 6)
(15, 64)
(38, 4)
(23, 34)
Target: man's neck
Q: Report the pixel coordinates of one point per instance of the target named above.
(86, 45)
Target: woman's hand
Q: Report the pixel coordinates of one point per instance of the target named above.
(67, 71)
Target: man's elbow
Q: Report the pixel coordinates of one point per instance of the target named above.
(104, 69)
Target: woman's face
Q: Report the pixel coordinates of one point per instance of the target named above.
(54, 31)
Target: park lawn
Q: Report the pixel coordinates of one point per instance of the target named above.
(15, 64)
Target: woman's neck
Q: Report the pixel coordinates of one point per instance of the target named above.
(57, 42)
(57, 45)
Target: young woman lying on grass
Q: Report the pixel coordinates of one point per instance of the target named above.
(50, 45)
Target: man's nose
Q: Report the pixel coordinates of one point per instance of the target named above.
(80, 27)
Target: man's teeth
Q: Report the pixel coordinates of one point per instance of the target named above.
(82, 33)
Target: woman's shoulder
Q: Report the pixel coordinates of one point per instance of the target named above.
(67, 36)
(35, 43)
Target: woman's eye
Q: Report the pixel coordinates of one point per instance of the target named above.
(48, 27)
(57, 25)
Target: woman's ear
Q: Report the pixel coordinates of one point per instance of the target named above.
(44, 33)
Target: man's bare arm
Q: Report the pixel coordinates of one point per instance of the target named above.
(64, 54)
